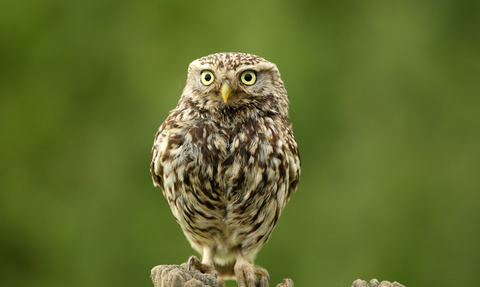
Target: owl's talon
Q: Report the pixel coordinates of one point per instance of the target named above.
(191, 261)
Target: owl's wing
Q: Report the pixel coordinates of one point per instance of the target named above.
(294, 165)
(155, 165)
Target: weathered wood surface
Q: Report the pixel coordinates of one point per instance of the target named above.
(180, 276)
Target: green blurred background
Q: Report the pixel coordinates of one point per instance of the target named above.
(385, 105)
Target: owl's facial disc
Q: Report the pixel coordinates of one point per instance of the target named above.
(225, 91)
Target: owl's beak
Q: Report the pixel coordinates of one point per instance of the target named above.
(226, 90)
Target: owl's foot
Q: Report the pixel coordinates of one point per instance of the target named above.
(246, 274)
(205, 268)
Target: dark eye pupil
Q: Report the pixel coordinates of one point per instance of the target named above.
(208, 77)
(248, 77)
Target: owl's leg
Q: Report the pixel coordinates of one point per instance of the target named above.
(206, 266)
(246, 273)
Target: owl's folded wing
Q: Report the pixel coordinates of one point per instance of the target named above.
(155, 165)
(294, 165)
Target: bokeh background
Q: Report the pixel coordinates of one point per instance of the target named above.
(385, 105)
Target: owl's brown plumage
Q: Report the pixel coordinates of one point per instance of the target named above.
(227, 161)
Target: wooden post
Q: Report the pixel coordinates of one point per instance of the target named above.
(180, 276)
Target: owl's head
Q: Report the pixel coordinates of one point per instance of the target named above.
(235, 82)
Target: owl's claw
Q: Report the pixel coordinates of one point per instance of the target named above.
(191, 261)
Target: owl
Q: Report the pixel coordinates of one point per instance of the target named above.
(227, 162)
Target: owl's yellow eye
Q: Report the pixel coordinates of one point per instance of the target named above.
(207, 78)
(248, 77)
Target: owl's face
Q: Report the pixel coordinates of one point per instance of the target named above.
(235, 80)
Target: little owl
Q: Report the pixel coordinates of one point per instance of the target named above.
(227, 162)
